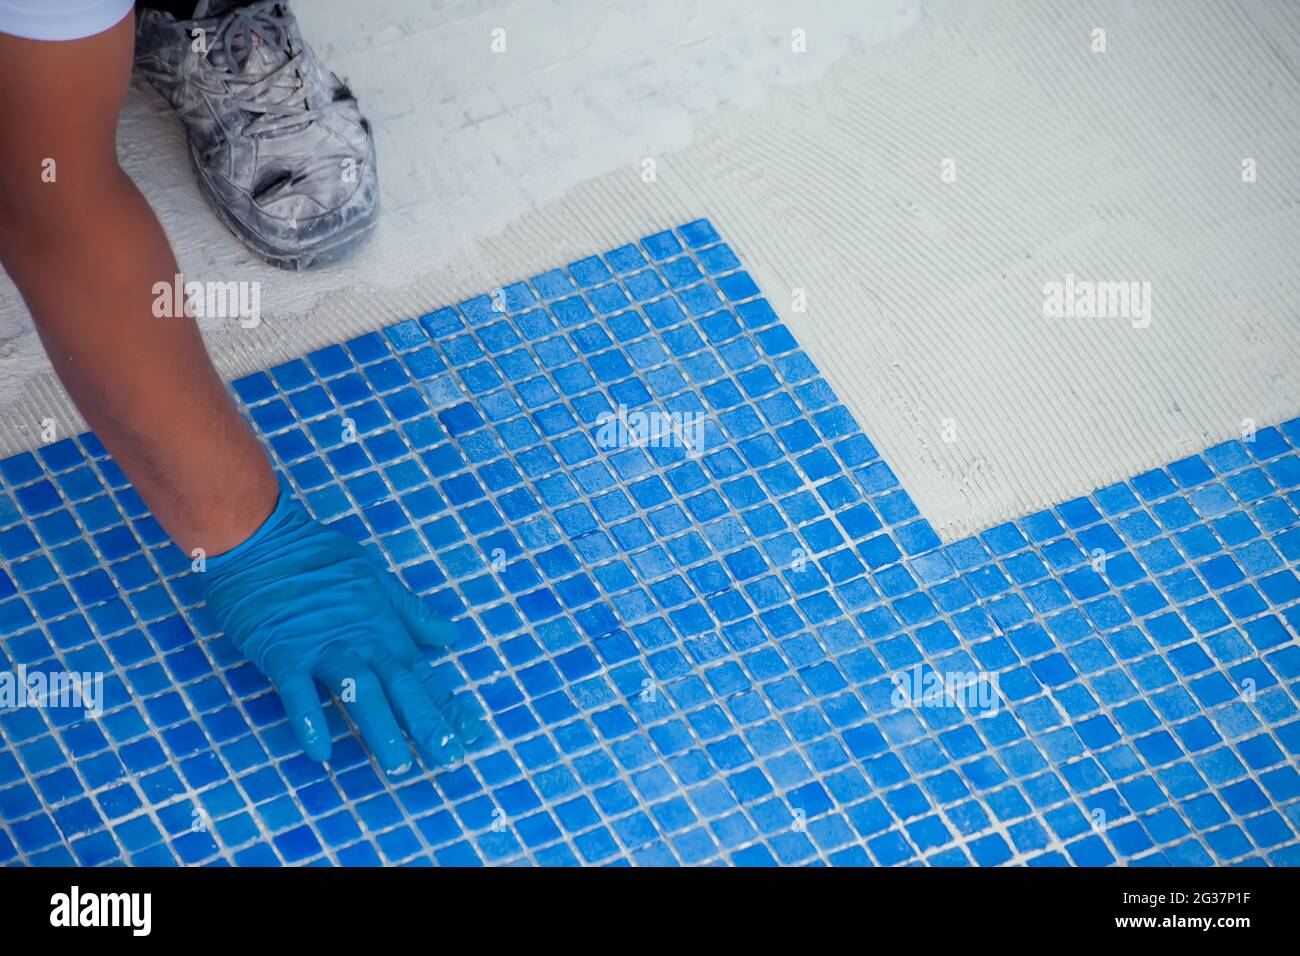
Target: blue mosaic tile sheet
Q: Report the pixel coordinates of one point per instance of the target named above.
(727, 652)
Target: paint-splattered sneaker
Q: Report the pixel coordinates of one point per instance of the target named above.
(281, 150)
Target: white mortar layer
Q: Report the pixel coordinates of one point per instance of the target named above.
(469, 140)
(924, 296)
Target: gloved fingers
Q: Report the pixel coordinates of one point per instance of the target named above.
(435, 737)
(458, 710)
(302, 706)
(423, 624)
(362, 694)
(463, 715)
(439, 683)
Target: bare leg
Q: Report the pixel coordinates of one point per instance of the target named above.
(85, 251)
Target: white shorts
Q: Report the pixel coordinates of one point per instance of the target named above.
(60, 19)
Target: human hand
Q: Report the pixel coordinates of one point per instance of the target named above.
(304, 603)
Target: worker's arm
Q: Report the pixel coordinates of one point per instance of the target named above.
(301, 601)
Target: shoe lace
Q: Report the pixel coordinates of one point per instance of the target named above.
(252, 91)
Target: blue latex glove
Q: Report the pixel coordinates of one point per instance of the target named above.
(304, 603)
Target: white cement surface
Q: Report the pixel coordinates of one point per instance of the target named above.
(825, 170)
